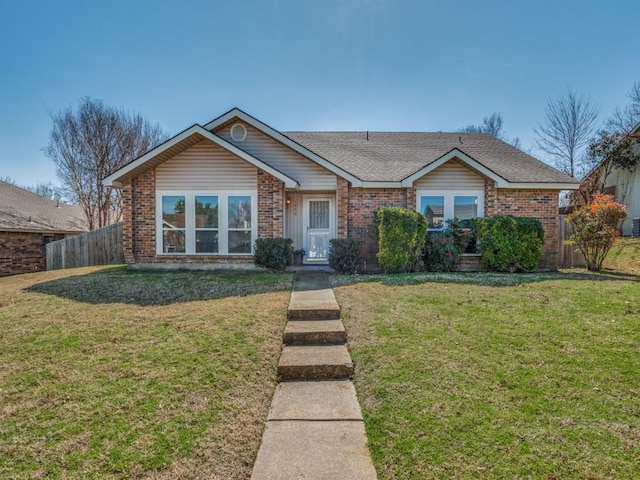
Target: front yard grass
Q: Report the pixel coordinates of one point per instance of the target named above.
(107, 373)
(500, 376)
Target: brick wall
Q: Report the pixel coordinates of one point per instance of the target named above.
(355, 216)
(540, 204)
(142, 214)
(270, 206)
(343, 207)
(139, 218)
(23, 252)
(362, 202)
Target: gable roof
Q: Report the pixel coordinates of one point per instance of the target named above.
(24, 211)
(406, 156)
(370, 159)
(185, 139)
(236, 113)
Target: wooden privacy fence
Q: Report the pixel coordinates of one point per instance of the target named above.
(98, 247)
(568, 255)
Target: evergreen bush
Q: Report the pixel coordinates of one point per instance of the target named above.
(401, 237)
(345, 254)
(274, 253)
(508, 243)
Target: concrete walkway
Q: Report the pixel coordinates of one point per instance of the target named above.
(314, 429)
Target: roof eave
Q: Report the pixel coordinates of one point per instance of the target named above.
(460, 155)
(543, 186)
(378, 184)
(267, 130)
(42, 231)
(116, 178)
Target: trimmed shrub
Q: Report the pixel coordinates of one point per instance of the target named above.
(509, 244)
(345, 254)
(441, 251)
(595, 229)
(273, 253)
(401, 236)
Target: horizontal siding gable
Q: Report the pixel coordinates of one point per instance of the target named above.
(206, 167)
(309, 174)
(453, 175)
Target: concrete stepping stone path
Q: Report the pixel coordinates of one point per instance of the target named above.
(314, 429)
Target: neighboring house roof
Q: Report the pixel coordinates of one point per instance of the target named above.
(24, 211)
(373, 159)
(635, 131)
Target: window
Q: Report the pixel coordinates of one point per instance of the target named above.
(239, 224)
(464, 209)
(217, 223)
(173, 224)
(438, 207)
(207, 224)
(432, 207)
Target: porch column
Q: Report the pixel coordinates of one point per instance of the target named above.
(270, 206)
(343, 207)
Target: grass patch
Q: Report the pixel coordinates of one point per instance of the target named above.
(499, 376)
(108, 373)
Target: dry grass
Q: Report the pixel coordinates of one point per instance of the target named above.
(500, 376)
(114, 374)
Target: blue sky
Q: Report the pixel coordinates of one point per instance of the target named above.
(307, 65)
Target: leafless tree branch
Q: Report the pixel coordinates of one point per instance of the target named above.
(91, 143)
(569, 125)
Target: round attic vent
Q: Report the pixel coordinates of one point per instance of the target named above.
(238, 132)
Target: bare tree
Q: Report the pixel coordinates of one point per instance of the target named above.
(88, 144)
(569, 125)
(46, 190)
(624, 119)
(493, 125)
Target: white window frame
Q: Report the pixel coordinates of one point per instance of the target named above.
(449, 196)
(190, 220)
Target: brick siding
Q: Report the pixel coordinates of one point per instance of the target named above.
(540, 204)
(139, 217)
(361, 204)
(270, 206)
(355, 217)
(23, 252)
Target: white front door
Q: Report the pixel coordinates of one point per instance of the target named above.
(319, 227)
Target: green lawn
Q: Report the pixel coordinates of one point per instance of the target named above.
(500, 376)
(106, 373)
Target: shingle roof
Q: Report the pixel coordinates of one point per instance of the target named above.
(22, 210)
(393, 156)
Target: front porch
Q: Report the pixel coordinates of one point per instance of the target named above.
(310, 220)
